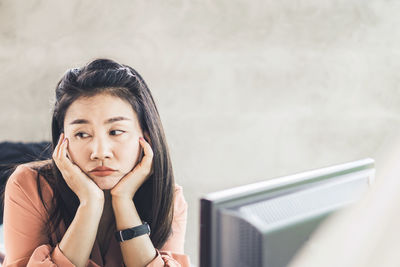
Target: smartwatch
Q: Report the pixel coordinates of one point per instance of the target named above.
(133, 232)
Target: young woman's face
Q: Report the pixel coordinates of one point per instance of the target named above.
(103, 131)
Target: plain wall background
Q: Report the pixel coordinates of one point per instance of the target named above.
(247, 90)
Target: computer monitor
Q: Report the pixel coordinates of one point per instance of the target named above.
(266, 223)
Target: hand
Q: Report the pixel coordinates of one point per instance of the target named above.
(132, 181)
(75, 178)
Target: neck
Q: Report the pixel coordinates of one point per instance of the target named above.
(107, 217)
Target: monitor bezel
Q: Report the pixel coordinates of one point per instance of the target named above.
(212, 202)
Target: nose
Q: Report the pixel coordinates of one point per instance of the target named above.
(101, 149)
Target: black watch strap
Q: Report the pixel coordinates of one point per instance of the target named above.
(130, 233)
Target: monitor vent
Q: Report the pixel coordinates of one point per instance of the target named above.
(303, 203)
(251, 244)
(240, 239)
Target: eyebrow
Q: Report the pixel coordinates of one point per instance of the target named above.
(108, 121)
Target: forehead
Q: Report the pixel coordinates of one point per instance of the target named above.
(99, 107)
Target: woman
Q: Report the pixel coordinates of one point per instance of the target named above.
(110, 180)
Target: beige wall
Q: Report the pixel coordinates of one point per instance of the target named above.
(247, 90)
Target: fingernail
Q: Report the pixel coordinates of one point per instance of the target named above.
(141, 138)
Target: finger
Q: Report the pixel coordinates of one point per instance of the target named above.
(60, 150)
(59, 158)
(147, 138)
(141, 154)
(57, 148)
(148, 152)
(66, 163)
(64, 151)
(68, 155)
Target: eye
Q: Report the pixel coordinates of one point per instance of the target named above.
(116, 132)
(81, 135)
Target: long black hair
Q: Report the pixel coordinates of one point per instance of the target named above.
(154, 199)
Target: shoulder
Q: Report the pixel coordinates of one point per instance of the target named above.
(26, 174)
(23, 184)
(178, 193)
(180, 204)
(22, 175)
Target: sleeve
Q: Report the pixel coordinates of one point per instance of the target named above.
(26, 244)
(172, 254)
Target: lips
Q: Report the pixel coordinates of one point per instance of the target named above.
(102, 171)
(102, 168)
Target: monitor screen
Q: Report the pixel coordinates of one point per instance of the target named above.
(266, 223)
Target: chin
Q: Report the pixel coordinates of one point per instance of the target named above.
(106, 183)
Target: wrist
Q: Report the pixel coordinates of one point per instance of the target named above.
(132, 232)
(118, 199)
(95, 211)
(95, 197)
(121, 195)
(92, 203)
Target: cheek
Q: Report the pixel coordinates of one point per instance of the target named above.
(77, 152)
(129, 154)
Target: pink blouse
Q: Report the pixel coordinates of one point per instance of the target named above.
(26, 244)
